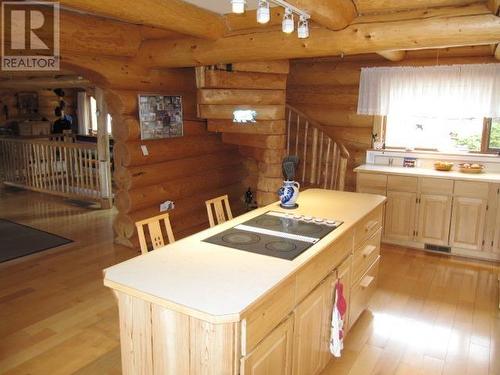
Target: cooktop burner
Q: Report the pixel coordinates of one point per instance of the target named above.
(276, 234)
(242, 238)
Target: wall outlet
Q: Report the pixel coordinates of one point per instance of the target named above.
(167, 205)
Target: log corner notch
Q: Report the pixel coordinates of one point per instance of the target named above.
(393, 55)
(332, 14)
(496, 51)
(174, 15)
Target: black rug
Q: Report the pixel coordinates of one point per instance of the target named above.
(17, 240)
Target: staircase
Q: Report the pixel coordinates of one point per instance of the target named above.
(323, 161)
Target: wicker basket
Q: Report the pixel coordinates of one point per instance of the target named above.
(470, 169)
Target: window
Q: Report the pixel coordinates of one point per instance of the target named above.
(92, 130)
(443, 134)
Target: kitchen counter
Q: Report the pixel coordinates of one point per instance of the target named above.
(427, 172)
(217, 283)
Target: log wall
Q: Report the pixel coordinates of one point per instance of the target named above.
(187, 170)
(259, 86)
(47, 102)
(327, 91)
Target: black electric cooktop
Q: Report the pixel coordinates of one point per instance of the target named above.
(276, 234)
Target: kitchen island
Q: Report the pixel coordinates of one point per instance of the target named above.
(194, 307)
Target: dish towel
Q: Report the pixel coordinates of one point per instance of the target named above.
(337, 326)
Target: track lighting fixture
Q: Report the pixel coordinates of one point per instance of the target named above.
(288, 23)
(303, 28)
(263, 12)
(287, 26)
(238, 6)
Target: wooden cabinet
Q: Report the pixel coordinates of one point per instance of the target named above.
(273, 356)
(362, 291)
(310, 343)
(400, 215)
(467, 223)
(434, 214)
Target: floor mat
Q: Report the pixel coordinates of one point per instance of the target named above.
(17, 240)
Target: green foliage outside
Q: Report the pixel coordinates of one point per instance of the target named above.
(473, 142)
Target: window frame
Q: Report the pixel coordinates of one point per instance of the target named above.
(380, 123)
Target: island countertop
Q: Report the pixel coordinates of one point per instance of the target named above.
(218, 283)
(427, 172)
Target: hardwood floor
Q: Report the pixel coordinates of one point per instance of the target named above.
(430, 315)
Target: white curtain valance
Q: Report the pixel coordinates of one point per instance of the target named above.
(453, 91)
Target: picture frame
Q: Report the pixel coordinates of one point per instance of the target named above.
(160, 116)
(27, 103)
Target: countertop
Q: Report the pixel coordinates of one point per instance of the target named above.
(217, 283)
(427, 172)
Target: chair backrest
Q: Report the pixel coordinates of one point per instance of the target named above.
(220, 204)
(155, 232)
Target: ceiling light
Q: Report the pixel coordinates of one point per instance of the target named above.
(288, 25)
(263, 13)
(303, 28)
(238, 6)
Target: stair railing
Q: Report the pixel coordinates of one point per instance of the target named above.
(323, 161)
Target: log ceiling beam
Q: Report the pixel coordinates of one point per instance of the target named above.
(393, 55)
(332, 14)
(175, 15)
(442, 31)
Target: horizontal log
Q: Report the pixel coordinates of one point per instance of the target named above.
(174, 15)
(335, 15)
(238, 96)
(370, 6)
(278, 66)
(309, 96)
(129, 129)
(130, 153)
(265, 197)
(334, 117)
(270, 170)
(259, 127)
(123, 74)
(359, 38)
(269, 184)
(221, 79)
(274, 142)
(136, 199)
(348, 73)
(263, 155)
(225, 112)
(150, 174)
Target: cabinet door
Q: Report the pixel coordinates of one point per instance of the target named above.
(310, 343)
(467, 223)
(496, 231)
(400, 215)
(434, 215)
(273, 356)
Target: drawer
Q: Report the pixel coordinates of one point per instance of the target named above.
(368, 226)
(436, 186)
(402, 183)
(362, 291)
(471, 189)
(259, 320)
(324, 263)
(371, 183)
(365, 255)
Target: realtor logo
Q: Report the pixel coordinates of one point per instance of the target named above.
(30, 35)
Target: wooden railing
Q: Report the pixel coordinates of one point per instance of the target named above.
(60, 168)
(323, 161)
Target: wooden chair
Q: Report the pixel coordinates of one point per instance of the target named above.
(219, 203)
(155, 232)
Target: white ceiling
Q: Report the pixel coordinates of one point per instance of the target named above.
(220, 6)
